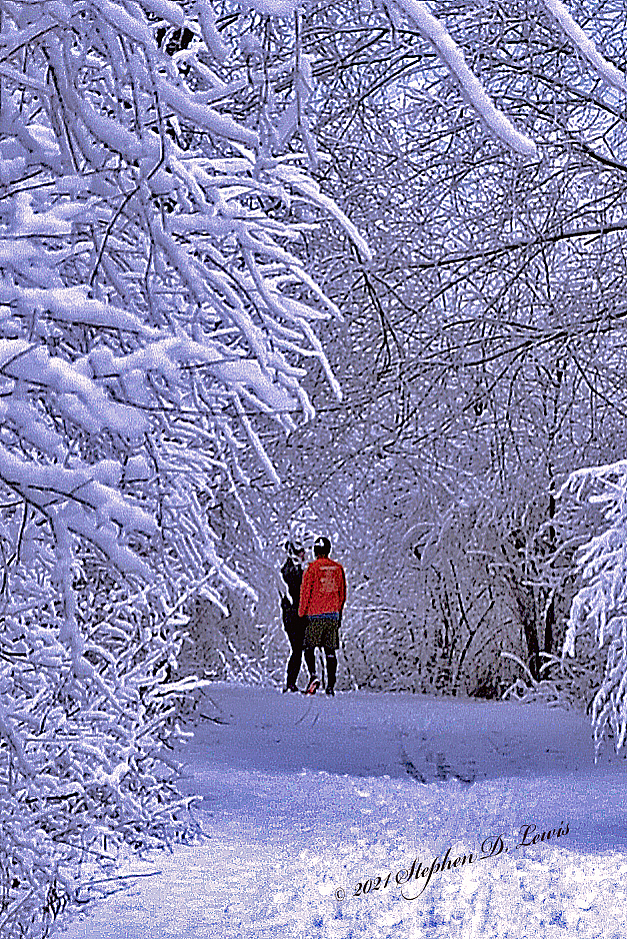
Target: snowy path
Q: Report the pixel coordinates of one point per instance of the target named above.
(303, 797)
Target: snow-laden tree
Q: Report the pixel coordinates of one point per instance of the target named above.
(599, 608)
(155, 318)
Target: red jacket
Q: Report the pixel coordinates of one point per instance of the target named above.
(323, 589)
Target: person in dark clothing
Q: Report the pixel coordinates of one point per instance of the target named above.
(294, 625)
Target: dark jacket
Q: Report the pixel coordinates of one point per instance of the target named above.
(292, 574)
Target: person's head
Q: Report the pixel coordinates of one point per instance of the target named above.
(295, 550)
(322, 547)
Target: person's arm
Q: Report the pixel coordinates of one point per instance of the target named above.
(292, 575)
(342, 590)
(305, 593)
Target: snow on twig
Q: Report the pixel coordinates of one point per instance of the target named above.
(430, 28)
(608, 72)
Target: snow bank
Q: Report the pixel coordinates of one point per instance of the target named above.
(285, 841)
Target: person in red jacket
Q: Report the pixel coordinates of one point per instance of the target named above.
(322, 599)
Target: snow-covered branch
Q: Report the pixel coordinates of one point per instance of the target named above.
(608, 72)
(453, 57)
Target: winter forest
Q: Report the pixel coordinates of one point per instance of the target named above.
(279, 267)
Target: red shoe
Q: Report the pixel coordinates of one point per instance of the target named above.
(314, 684)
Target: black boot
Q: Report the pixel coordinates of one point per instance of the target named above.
(331, 671)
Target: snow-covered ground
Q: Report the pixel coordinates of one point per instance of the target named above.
(303, 799)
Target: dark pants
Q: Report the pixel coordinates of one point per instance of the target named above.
(295, 628)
